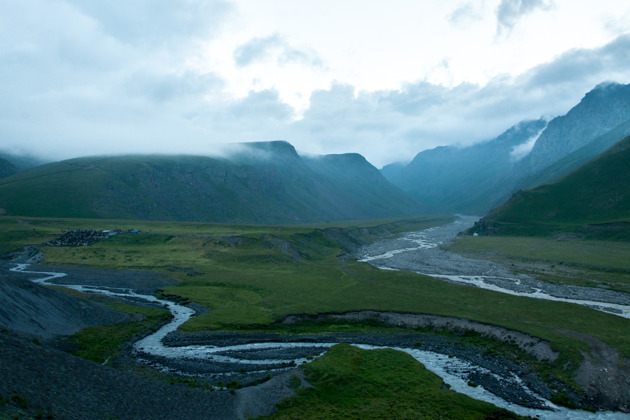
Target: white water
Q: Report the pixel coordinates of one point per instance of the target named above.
(482, 282)
(452, 370)
(421, 242)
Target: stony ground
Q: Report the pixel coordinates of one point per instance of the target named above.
(39, 380)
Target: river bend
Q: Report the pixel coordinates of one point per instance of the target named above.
(269, 356)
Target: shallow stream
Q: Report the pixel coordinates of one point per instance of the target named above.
(407, 253)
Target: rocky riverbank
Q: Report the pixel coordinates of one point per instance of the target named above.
(491, 371)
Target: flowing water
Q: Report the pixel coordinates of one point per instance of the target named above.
(454, 371)
(420, 252)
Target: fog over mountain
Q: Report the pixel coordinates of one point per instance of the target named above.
(263, 183)
(477, 178)
(184, 77)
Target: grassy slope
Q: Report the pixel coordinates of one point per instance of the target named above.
(99, 344)
(577, 158)
(65, 196)
(283, 188)
(593, 201)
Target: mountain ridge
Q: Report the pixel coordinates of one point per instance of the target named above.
(477, 178)
(592, 201)
(260, 183)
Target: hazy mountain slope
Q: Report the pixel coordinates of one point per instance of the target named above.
(477, 178)
(261, 183)
(7, 168)
(595, 197)
(368, 192)
(21, 162)
(465, 180)
(602, 109)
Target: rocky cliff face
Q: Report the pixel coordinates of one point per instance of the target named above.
(601, 110)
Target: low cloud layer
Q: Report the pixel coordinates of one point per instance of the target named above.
(81, 78)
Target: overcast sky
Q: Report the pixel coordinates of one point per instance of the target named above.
(386, 79)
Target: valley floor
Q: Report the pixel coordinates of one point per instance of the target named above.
(450, 336)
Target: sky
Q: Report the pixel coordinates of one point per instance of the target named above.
(386, 79)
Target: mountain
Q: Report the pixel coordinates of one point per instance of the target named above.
(262, 183)
(477, 178)
(7, 168)
(603, 109)
(467, 179)
(593, 201)
(577, 158)
(20, 162)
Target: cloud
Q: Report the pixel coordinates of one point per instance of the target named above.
(387, 126)
(273, 47)
(509, 12)
(165, 87)
(151, 22)
(519, 151)
(579, 66)
(77, 79)
(465, 13)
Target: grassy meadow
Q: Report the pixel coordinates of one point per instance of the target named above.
(589, 263)
(250, 277)
(352, 383)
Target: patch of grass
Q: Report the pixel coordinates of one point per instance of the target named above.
(353, 383)
(560, 398)
(100, 343)
(567, 261)
(605, 255)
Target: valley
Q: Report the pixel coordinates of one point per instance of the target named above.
(287, 289)
(221, 210)
(277, 283)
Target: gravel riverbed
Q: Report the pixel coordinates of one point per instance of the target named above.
(249, 359)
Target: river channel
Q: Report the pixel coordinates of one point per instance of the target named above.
(418, 252)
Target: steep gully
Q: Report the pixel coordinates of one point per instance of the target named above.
(418, 252)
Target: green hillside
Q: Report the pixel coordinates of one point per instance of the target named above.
(7, 168)
(593, 201)
(263, 183)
